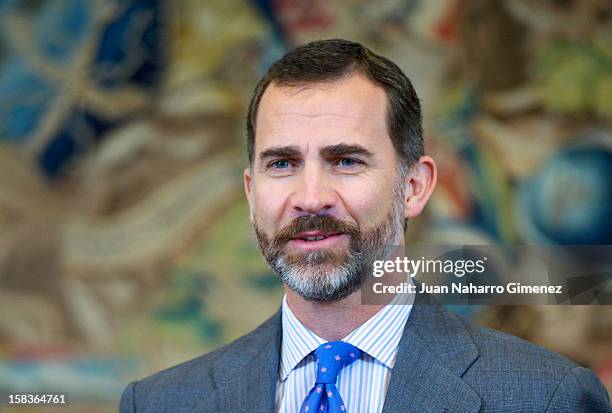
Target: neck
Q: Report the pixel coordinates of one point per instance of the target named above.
(331, 321)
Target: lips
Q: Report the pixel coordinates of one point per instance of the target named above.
(310, 236)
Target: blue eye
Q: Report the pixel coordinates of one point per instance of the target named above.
(348, 162)
(281, 164)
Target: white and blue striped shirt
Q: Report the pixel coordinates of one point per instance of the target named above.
(362, 384)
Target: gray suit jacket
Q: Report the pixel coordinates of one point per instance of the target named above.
(444, 364)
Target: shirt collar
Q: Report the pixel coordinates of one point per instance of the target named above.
(378, 336)
(298, 341)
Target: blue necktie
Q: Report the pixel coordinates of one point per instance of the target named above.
(324, 396)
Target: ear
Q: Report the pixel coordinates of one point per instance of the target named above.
(248, 191)
(420, 183)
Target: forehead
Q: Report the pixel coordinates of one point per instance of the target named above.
(349, 110)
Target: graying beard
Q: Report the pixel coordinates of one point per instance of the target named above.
(316, 283)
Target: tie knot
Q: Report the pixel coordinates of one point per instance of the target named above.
(332, 357)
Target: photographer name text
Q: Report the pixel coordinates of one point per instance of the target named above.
(468, 288)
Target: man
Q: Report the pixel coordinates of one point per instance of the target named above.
(336, 169)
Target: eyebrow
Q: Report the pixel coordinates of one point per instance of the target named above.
(343, 149)
(280, 152)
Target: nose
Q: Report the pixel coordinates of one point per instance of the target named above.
(313, 194)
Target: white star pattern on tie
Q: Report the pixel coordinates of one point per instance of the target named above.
(331, 358)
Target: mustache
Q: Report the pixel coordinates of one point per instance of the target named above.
(325, 223)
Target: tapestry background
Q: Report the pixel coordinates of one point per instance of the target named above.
(125, 245)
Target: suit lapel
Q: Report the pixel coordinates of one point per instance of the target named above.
(246, 374)
(434, 352)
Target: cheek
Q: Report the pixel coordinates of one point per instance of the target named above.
(367, 204)
(363, 205)
(268, 206)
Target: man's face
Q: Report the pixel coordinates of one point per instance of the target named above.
(324, 191)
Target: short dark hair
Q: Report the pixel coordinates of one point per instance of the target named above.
(329, 60)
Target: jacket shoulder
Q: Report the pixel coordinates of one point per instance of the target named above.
(178, 388)
(174, 388)
(513, 372)
(502, 350)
